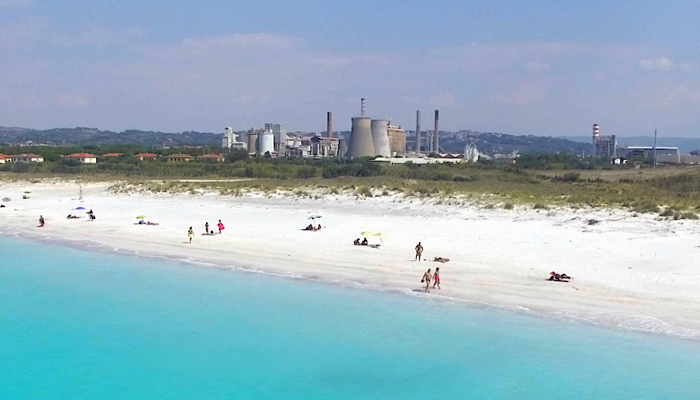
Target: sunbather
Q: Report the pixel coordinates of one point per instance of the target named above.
(553, 276)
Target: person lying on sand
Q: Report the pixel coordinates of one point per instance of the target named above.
(356, 242)
(441, 260)
(71, 216)
(309, 228)
(151, 223)
(553, 276)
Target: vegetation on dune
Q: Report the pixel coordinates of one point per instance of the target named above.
(542, 182)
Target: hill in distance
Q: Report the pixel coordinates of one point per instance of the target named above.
(454, 142)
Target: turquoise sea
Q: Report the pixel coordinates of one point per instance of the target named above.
(87, 324)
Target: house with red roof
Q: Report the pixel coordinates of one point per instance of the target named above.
(4, 159)
(211, 157)
(85, 158)
(180, 157)
(146, 156)
(27, 158)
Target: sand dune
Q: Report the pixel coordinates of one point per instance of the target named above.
(627, 270)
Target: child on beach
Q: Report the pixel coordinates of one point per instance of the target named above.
(41, 221)
(436, 277)
(190, 234)
(206, 228)
(427, 277)
(221, 227)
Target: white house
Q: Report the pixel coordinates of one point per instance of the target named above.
(27, 158)
(85, 158)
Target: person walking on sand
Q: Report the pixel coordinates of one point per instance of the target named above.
(427, 277)
(221, 227)
(419, 251)
(436, 278)
(190, 234)
(206, 227)
(41, 221)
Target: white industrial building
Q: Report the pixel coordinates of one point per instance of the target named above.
(230, 140)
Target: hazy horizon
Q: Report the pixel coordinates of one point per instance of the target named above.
(540, 68)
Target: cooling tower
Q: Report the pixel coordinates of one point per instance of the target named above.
(361, 142)
(252, 143)
(380, 137)
(266, 143)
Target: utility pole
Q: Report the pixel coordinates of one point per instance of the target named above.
(655, 133)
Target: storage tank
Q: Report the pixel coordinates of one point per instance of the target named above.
(252, 143)
(266, 143)
(380, 137)
(361, 142)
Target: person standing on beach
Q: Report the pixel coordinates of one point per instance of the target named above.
(221, 227)
(41, 221)
(190, 234)
(419, 251)
(427, 277)
(436, 278)
(206, 228)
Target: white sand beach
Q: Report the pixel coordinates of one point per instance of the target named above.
(637, 272)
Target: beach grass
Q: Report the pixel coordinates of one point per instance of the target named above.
(672, 193)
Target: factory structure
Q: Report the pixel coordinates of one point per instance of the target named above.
(603, 146)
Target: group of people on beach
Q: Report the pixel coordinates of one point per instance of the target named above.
(220, 226)
(312, 228)
(429, 276)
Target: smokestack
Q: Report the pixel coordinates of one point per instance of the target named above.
(329, 124)
(436, 135)
(362, 107)
(596, 136)
(418, 131)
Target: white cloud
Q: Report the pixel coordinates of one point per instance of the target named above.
(526, 93)
(72, 101)
(537, 66)
(135, 32)
(412, 100)
(661, 64)
(15, 3)
(23, 34)
(443, 99)
(674, 96)
(687, 67)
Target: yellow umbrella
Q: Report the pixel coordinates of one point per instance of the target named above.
(368, 233)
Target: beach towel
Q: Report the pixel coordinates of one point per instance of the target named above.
(220, 226)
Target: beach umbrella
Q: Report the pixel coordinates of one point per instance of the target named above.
(141, 217)
(6, 199)
(316, 216)
(80, 208)
(368, 233)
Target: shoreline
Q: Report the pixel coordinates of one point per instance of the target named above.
(505, 284)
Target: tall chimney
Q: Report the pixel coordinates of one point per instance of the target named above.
(362, 107)
(329, 124)
(436, 135)
(418, 131)
(596, 136)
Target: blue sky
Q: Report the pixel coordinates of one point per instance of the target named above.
(521, 67)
